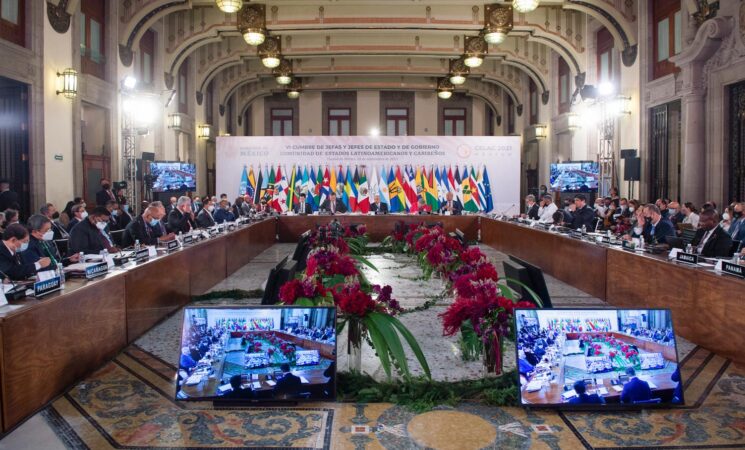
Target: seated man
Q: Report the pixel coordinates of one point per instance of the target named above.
(377, 206)
(302, 206)
(78, 214)
(583, 398)
(450, 206)
(205, 219)
(90, 236)
(635, 390)
(289, 385)
(223, 213)
(146, 228)
(181, 217)
(238, 391)
(711, 241)
(16, 241)
(41, 245)
(187, 362)
(333, 204)
(657, 228)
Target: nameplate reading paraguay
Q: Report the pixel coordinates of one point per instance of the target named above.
(96, 270)
(733, 269)
(687, 258)
(45, 287)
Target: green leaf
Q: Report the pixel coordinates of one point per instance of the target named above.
(365, 261)
(380, 345)
(532, 293)
(304, 301)
(393, 342)
(340, 327)
(413, 344)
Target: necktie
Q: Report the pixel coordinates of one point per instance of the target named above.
(333, 207)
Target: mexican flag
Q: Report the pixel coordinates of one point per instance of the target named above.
(363, 191)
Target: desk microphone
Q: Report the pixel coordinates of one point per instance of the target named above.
(15, 293)
(505, 211)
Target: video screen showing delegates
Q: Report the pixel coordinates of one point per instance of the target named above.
(574, 177)
(173, 176)
(597, 358)
(258, 354)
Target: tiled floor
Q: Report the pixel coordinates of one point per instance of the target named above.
(128, 403)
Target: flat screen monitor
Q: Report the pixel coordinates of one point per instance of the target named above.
(173, 176)
(580, 176)
(593, 359)
(257, 354)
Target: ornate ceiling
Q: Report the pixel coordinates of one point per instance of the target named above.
(383, 44)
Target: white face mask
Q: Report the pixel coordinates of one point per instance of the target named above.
(48, 236)
(84, 215)
(725, 216)
(631, 209)
(211, 208)
(101, 225)
(673, 212)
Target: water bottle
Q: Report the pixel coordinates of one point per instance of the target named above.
(81, 257)
(641, 243)
(61, 274)
(584, 229)
(689, 248)
(137, 245)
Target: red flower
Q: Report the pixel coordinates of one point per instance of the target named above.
(472, 256)
(353, 301)
(487, 271)
(290, 291)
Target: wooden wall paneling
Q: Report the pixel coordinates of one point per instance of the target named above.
(207, 264)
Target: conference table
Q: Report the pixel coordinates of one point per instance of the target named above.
(707, 306)
(49, 344)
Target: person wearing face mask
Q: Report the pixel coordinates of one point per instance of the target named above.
(727, 218)
(49, 211)
(15, 242)
(676, 213)
(711, 241)
(113, 208)
(547, 209)
(123, 217)
(223, 213)
(41, 245)
(205, 218)
(147, 228)
(657, 228)
(90, 236)
(105, 194)
(583, 214)
(737, 229)
(181, 219)
(690, 214)
(78, 214)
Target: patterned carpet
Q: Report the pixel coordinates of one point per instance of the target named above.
(128, 404)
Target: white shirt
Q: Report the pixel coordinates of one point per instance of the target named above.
(546, 213)
(692, 218)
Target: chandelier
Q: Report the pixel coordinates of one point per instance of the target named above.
(458, 71)
(497, 23)
(283, 72)
(251, 23)
(229, 6)
(270, 52)
(525, 6)
(475, 49)
(444, 88)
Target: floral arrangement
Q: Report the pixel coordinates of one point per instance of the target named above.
(620, 353)
(483, 311)
(333, 278)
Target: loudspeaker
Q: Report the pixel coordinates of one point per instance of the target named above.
(632, 169)
(148, 156)
(628, 153)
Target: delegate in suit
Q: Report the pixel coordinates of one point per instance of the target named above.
(334, 205)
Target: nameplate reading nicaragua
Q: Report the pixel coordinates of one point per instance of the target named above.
(142, 255)
(213, 232)
(45, 287)
(688, 258)
(96, 270)
(172, 245)
(188, 239)
(733, 269)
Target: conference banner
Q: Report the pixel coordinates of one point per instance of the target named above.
(482, 173)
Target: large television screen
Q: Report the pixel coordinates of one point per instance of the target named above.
(579, 176)
(263, 354)
(597, 358)
(173, 176)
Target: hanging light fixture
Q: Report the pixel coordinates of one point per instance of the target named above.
(293, 91)
(174, 121)
(458, 71)
(525, 6)
(283, 72)
(252, 23)
(497, 23)
(204, 131)
(270, 52)
(444, 88)
(68, 83)
(229, 6)
(475, 49)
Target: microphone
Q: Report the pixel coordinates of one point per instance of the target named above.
(505, 211)
(18, 292)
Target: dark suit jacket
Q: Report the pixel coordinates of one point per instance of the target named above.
(104, 196)
(382, 209)
(635, 390)
(86, 238)
(222, 215)
(204, 219)
(180, 222)
(718, 245)
(74, 221)
(662, 230)
(457, 209)
(584, 216)
(533, 212)
(139, 230)
(584, 399)
(13, 265)
(9, 199)
(288, 384)
(59, 230)
(340, 206)
(677, 218)
(308, 209)
(40, 249)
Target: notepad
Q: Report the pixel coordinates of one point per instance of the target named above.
(304, 380)
(271, 382)
(194, 379)
(601, 391)
(618, 388)
(256, 385)
(225, 388)
(534, 385)
(568, 394)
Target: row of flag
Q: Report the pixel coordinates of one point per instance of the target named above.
(399, 187)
